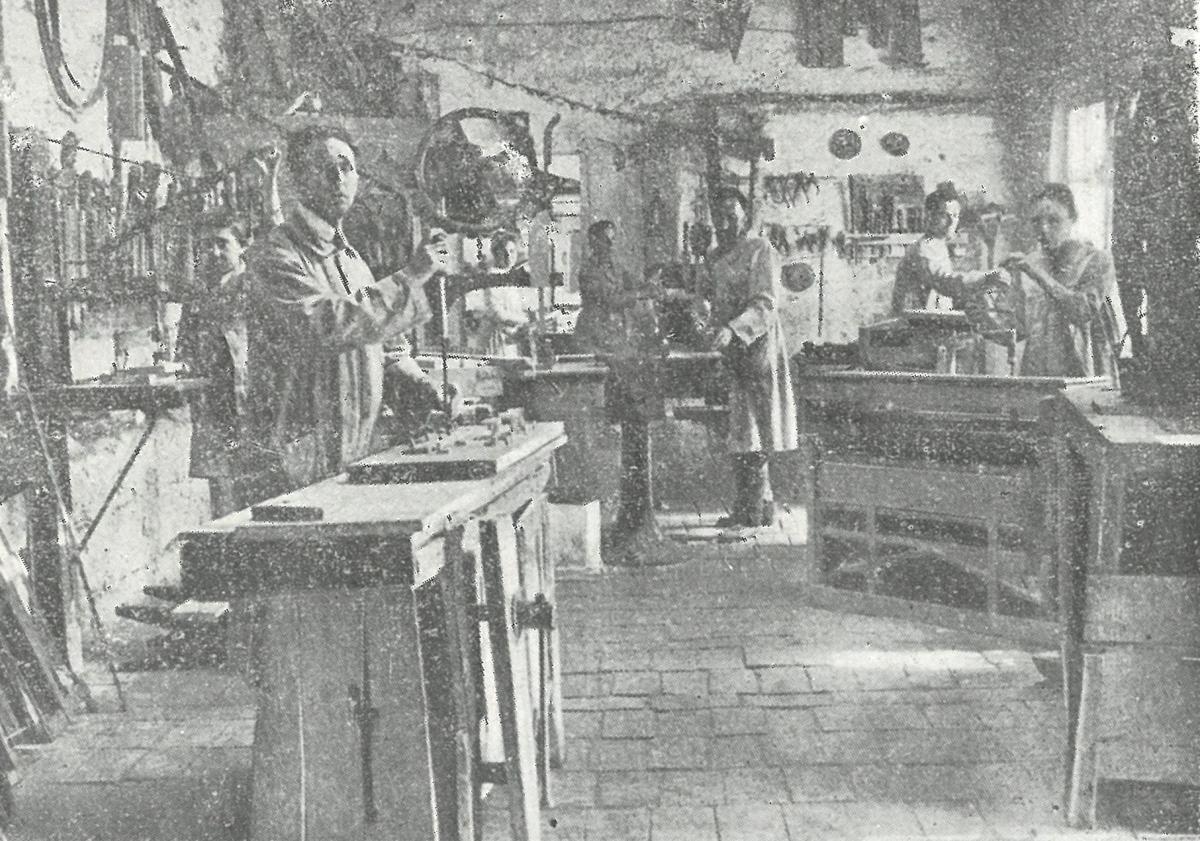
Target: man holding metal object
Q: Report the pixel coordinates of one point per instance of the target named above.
(317, 320)
(926, 278)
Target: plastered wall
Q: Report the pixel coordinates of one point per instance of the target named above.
(947, 144)
(157, 499)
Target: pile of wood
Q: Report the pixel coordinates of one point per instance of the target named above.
(33, 699)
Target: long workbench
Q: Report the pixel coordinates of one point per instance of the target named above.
(367, 593)
(926, 494)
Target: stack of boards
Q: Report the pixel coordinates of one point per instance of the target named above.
(33, 698)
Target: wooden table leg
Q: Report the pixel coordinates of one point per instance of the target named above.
(510, 652)
(557, 724)
(450, 689)
(528, 522)
(1081, 799)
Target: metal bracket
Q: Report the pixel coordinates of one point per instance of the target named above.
(538, 613)
(484, 612)
(492, 772)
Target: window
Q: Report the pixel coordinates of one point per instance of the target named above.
(1082, 159)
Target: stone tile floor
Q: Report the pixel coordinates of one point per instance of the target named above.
(705, 702)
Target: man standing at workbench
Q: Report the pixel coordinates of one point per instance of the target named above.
(317, 320)
(745, 291)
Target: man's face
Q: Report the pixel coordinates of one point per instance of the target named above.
(328, 181)
(729, 221)
(944, 223)
(602, 241)
(222, 252)
(1052, 223)
(505, 254)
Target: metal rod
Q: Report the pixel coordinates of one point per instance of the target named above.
(822, 236)
(74, 551)
(116, 486)
(445, 316)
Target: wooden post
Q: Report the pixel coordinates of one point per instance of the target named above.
(1081, 799)
(39, 345)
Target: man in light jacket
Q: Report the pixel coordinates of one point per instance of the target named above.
(745, 292)
(317, 320)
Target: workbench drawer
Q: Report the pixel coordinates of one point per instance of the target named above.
(934, 489)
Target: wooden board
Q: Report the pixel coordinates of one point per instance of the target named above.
(29, 643)
(450, 689)
(219, 561)
(1143, 610)
(545, 665)
(308, 779)
(510, 653)
(935, 489)
(461, 597)
(468, 456)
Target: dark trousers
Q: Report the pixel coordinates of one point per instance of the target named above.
(754, 499)
(637, 489)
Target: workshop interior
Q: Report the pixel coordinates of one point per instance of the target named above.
(676, 419)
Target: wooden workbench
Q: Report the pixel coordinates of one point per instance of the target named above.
(1126, 534)
(689, 461)
(367, 601)
(926, 495)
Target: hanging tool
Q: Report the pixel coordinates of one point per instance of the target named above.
(444, 314)
(365, 716)
(822, 242)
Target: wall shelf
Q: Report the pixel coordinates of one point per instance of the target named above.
(113, 396)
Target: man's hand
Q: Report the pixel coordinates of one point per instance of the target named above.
(432, 255)
(723, 339)
(1021, 263)
(993, 280)
(267, 160)
(1016, 262)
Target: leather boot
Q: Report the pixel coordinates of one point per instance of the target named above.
(768, 512)
(739, 514)
(754, 488)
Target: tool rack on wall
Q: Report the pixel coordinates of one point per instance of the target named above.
(77, 242)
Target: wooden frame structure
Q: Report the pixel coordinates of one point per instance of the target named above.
(367, 601)
(1125, 525)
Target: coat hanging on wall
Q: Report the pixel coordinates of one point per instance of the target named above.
(720, 24)
(893, 26)
(820, 31)
(904, 31)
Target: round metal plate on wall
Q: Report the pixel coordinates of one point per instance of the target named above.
(845, 144)
(895, 143)
(796, 277)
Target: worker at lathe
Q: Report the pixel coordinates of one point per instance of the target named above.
(317, 320)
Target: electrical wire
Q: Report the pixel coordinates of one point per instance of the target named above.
(535, 24)
(112, 157)
(540, 93)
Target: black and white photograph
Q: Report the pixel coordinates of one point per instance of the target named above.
(648, 420)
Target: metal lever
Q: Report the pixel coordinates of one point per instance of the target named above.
(365, 716)
(537, 613)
